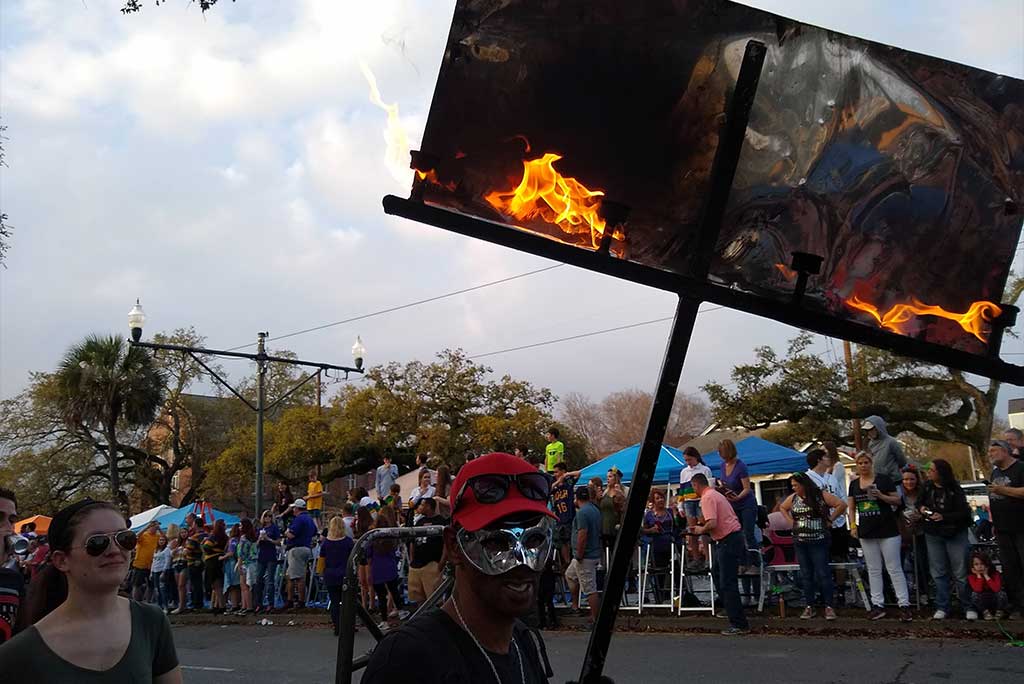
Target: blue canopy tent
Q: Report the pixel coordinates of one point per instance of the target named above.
(670, 462)
(761, 457)
(177, 517)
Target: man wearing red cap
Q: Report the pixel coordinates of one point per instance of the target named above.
(499, 541)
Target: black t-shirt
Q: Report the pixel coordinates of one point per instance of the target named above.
(875, 518)
(12, 584)
(562, 500)
(427, 550)
(443, 653)
(1007, 511)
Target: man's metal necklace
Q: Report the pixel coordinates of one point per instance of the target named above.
(519, 656)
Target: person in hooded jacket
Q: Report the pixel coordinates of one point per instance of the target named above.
(887, 454)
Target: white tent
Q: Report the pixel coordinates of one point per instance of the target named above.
(407, 482)
(144, 517)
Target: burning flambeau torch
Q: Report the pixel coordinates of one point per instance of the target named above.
(975, 320)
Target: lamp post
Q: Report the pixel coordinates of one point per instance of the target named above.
(136, 320)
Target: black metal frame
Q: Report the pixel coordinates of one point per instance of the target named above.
(684, 286)
(262, 359)
(347, 663)
(692, 291)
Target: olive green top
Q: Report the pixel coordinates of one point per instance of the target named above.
(150, 653)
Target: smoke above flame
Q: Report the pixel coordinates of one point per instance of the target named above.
(976, 320)
(546, 194)
(396, 154)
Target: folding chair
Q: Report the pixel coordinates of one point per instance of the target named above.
(650, 576)
(686, 584)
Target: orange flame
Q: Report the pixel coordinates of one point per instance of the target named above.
(431, 177)
(974, 320)
(546, 194)
(786, 271)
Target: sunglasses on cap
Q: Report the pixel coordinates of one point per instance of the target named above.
(491, 488)
(97, 544)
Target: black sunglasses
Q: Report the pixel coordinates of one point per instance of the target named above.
(492, 488)
(97, 544)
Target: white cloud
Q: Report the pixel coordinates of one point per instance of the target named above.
(228, 169)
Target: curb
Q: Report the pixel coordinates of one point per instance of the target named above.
(846, 626)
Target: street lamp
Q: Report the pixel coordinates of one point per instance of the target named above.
(358, 351)
(137, 318)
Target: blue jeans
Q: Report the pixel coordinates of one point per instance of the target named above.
(265, 584)
(729, 555)
(813, 558)
(948, 556)
(158, 583)
(748, 520)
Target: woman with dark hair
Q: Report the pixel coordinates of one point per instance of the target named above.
(179, 565)
(812, 512)
(247, 564)
(364, 523)
(232, 583)
(213, 567)
(443, 490)
(267, 542)
(911, 526)
(76, 627)
(689, 503)
(946, 519)
(384, 568)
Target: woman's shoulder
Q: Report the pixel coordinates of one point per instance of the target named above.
(147, 612)
(22, 651)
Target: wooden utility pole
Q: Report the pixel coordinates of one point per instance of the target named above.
(848, 352)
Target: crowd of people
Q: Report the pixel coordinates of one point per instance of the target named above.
(907, 522)
(899, 515)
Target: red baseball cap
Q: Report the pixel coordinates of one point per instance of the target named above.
(473, 515)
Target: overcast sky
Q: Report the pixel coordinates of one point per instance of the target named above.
(227, 169)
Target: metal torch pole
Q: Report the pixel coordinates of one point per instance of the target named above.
(723, 170)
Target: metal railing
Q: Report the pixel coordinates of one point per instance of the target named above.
(351, 607)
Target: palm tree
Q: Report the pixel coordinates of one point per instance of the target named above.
(105, 383)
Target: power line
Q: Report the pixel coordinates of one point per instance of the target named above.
(404, 306)
(586, 334)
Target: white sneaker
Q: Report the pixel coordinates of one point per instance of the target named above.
(940, 615)
(176, 611)
(972, 615)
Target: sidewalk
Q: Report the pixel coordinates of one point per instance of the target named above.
(851, 623)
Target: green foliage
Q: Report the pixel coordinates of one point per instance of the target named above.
(444, 408)
(49, 479)
(812, 395)
(58, 431)
(103, 383)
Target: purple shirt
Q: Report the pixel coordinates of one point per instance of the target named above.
(335, 553)
(660, 541)
(383, 564)
(734, 482)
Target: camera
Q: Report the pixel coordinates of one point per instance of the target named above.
(16, 544)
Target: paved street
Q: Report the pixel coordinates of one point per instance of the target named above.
(280, 655)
